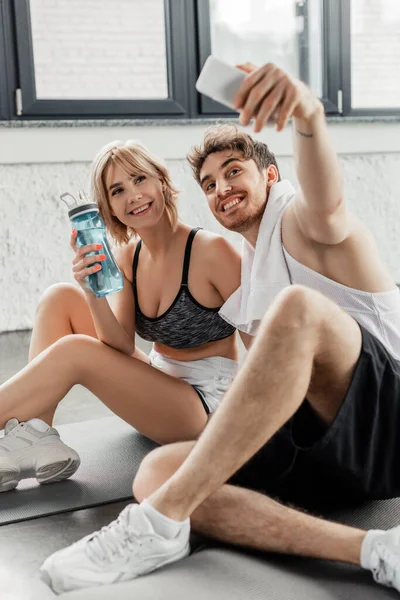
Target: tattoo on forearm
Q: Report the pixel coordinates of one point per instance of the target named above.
(306, 135)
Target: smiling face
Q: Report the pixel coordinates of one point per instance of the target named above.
(137, 199)
(235, 189)
(132, 189)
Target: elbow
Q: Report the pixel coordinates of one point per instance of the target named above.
(125, 348)
(130, 351)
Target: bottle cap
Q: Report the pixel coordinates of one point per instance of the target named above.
(80, 206)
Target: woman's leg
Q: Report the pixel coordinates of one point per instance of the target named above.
(163, 408)
(62, 310)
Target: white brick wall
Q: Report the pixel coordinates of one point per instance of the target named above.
(34, 227)
(99, 49)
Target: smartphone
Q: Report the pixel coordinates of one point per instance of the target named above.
(220, 80)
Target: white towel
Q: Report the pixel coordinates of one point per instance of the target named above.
(264, 269)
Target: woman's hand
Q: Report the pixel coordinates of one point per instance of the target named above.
(268, 92)
(82, 265)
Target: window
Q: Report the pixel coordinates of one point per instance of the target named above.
(375, 53)
(300, 36)
(97, 49)
(100, 58)
(140, 58)
(257, 30)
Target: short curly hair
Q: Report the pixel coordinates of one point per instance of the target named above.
(218, 138)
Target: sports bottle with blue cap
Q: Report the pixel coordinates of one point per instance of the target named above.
(85, 218)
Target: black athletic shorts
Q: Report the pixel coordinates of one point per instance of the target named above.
(312, 465)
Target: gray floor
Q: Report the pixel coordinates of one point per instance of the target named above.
(24, 546)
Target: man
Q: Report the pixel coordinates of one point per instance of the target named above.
(317, 400)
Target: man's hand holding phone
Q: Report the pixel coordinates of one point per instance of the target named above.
(266, 94)
(269, 92)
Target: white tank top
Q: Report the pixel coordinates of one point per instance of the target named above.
(379, 313)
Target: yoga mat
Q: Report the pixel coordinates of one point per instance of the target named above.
(220, 572)
(111, 452)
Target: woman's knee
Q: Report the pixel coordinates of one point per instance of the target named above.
(61, 296)
(158, 466)
(73, 351)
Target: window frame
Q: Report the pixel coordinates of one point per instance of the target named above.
(7, 60)
(188, 43)
(331, 58)
(176, 105)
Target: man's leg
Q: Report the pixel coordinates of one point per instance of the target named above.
(306, 347)
(242, 517)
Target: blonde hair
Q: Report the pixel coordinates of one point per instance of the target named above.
(132, 157)
(229, 137)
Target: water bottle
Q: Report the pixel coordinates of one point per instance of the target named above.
(85, 218)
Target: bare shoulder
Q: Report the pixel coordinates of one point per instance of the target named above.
(123, 254)
(354, 262)
(220, 260)
(213, 246)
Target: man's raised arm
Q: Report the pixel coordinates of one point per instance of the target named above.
(268, 92)
(317, 164)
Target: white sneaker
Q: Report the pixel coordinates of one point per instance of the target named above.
(380, 553)
(125, 549)
(25, 451)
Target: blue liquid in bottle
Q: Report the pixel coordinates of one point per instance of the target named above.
(85, 218)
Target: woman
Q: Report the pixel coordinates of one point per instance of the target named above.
(176, 279)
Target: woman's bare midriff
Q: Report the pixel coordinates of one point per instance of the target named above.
(227, 347)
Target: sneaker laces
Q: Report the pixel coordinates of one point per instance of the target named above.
(385, 566)
(112, 541)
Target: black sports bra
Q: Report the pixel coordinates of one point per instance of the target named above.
(186, 323)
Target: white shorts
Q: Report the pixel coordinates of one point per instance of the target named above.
(210, 377)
